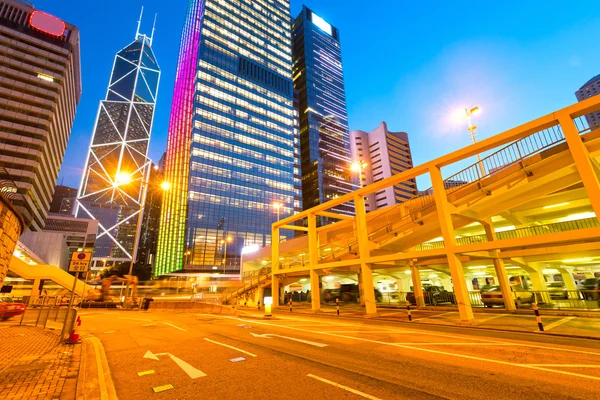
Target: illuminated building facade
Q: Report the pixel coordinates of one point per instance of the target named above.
(113, 186)
(40, 87)
(589, 89)
(324, 140)
(230, 150)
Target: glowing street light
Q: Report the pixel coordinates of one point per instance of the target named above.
(472, 128)
(278, 207)
(165, 186)
(228, 239)
(122, 178)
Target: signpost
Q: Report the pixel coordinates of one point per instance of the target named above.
(80, 262)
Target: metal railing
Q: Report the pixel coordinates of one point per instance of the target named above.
(252, 281)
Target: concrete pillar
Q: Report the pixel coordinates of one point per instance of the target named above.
(259, 295)
(567, 275)
(367, 293)
(315, 293)
(361, 289)
(501, 275)
(417, 286)
(275, 290)
(35, 289)
(456, 268)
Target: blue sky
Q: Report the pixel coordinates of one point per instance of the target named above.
(406, 63)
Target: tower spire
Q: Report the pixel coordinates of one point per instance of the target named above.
(153, 29)
(137, 33)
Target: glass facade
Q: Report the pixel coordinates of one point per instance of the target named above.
(319, 80)
(113, 185)
(230, 151)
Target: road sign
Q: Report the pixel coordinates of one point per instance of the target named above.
(80, 261)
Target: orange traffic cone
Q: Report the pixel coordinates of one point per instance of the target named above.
(74, 337)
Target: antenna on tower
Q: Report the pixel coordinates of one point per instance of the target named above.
(137, 33)
(153, 29)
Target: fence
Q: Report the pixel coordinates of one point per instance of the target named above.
(50, 315)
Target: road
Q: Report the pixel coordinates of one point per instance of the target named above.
(317, 357)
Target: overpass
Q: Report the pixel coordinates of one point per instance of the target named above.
(531, 204)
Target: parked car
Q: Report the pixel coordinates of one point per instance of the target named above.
(349, 293)
(329, 295)
(433, 295)
(589, 287)
(557, 290)
(493, 296)
(10, 308)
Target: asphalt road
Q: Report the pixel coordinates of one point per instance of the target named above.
(321, 357)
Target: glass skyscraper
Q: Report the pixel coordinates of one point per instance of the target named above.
(113, 186)
(324, 139)
(230, 150)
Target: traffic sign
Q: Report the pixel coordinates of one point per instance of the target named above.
(80, 261)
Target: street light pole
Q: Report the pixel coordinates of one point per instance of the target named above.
(471, 128)
(277, 207)
(226, 240)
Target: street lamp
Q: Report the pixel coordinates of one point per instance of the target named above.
(358, 167)
(278, 207)
(471, 128)
(228, 239)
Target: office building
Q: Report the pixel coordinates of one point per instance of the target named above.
(381, 154)
(151, 218)
(324, 141)
(58, 205)
(230, 149)
(589, 89)
(40, 87)
(113, 186)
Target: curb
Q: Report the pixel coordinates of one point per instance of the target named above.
(94, 381)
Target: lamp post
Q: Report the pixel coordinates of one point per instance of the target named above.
(471, 128)
(278, 207)
(358, 167)
(226, 240)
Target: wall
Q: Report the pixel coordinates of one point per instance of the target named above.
(11, 226)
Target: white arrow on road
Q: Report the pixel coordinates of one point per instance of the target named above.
(187, 368)
(271, 335)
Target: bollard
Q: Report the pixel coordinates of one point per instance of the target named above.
(291, 301)
(337, 305)
(536, 311)
(408, 310)
(74, 336)
(259, 304)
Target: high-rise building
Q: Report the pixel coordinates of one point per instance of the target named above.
(589, 89)
(40, 87)
(381, 154)
(60, 193)
(230, 149)
(324, 140)
(113, 186)
(151, 219)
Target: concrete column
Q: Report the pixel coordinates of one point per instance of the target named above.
(417, 286)
(567, 275)
(368, 290)
(314, 291)
(274, 249)
(456, 268)
(259, 295)
(582, 160)
(361, 289)
(366, 276)
(275, 290)
(35, 289)
(501, 275)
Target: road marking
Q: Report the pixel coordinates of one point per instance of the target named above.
(231, 347)
(434, 316)
(163, 388)
(566, 365)
(150, 355)
(269, 335)
(411, 347)
(135, 319)
(491, 318)
(176, 327)
(187, 368)
(346, 388)
(100, 369)
(557, 323)
(367, 331)
(149, 372)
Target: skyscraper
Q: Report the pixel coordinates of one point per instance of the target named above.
(40, 87)
(383, 154)
(113, 186)
(589, 89)
(324, 140)
(230, 150)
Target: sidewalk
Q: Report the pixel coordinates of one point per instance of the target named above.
(33, 365)
(556, 322)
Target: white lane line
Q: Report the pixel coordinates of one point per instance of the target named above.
(366, 331)
(231, 347)
(411, 347)
(346, 388)
(420, 332)
(566, 365)
(555, 324)
(135, 319)
(491, 318)
(176, 327)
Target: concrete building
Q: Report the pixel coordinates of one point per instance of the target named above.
(61, 236)
(381, 154)
(589, 89)
(324, 142)
(230, 149)
(40, 87)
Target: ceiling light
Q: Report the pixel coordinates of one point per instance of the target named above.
(478, 267)
(480, 273)
(550, 271)
(576, 217)
(426, 270)
(577, 260)
(407, 272)
(512, 268)
(505, 228)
